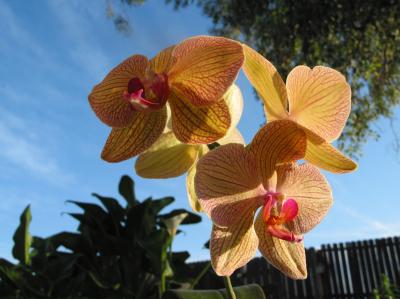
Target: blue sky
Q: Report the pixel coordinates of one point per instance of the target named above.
(53, 52)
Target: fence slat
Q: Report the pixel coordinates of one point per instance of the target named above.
(370, 271)
(336, 271)
(338, 265)
(345, 263)
(395, 260)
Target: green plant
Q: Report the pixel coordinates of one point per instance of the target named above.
(118, 252)
(387, 289)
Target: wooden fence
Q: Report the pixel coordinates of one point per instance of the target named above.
(340, 271)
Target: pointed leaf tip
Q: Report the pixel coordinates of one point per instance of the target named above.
(127, 190)
(23, 239)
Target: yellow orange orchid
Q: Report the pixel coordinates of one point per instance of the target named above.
(234, 181)
(317, 99)
(191, 77)
(168, 157)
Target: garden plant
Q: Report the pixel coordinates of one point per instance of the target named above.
(118, 252)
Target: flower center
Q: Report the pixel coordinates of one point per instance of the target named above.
(277, 211)
(149, 94)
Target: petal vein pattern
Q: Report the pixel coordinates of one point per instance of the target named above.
(227, 182)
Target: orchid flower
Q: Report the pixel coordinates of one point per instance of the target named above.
(168, 157)
(233, 182)
(191, 77)
(317, 99)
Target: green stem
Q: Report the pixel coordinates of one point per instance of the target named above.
(202, 273)
(163, 285)
(229, 288)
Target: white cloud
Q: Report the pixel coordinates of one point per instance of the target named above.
(368, 224)
(20, 148)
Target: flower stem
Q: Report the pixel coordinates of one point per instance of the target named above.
(229, 288)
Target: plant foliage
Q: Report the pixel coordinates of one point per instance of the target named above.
(117, 252)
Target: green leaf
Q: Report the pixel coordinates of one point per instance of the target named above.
(127, 190)
(112, 206)
(207, 245)
(251, 291)
(141, 219)
(60, 266)
(77, 216)
(159, 204)
(72, 241)
(23, 239)
(180, 257)
(11, 272)
(191, 218)
(189, 294)
(91, 209)
(155, 247)
(94, 216)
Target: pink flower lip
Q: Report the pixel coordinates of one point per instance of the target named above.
(288, 210)
(156, 90)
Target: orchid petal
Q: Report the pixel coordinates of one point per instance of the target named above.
(227, 184)
(233, 136)
(234, 246)
(199, 125)
(163, 61)
(106, 98)
(205, 68)
(319, 99)
(289, 209)
(234, 99)
(166, 158)
(268, 83)
(168, 126)
(310, 190)
(191, 192)
(142, 132)
(287, 257)
(280, 141)
(322, 154)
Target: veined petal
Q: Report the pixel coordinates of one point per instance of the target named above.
(234, 246)
(227, 184)
(312, 193)
(268, 83)
(168, 126)
(280, 141)
(319, 99)
(192, 196)
(322, 154)
(206, 66)
(166, 158)
(199, 125)
(233, 136)
(287, 257)
(234, 99)
(163, 61)
(106, 98)
(142, 132)
(193, 199)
